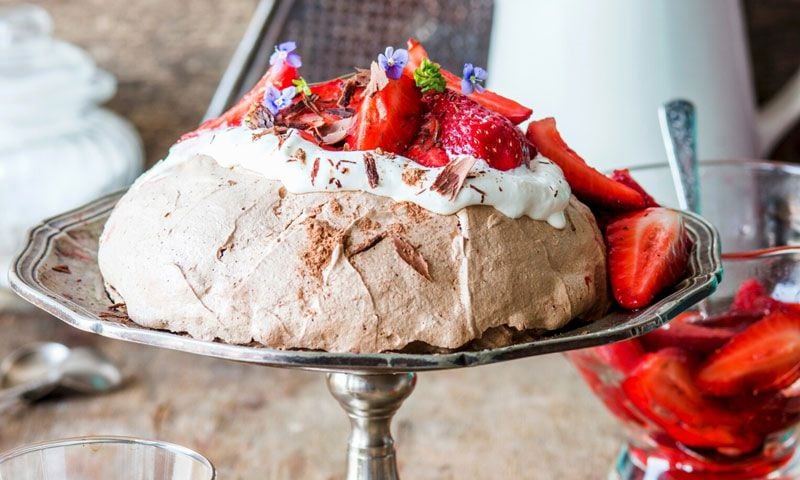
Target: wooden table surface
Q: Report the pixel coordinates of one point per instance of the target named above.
(527, 419)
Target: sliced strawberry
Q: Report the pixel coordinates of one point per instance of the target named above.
(734, 320)
(624, 177)
(389, 119)
(648, 251)
(763, 357)
(279, 75)
(605, 386)
(510, 109)
(328, 92)
(587, 184)
(662, 388)
(622, 356)
(462, 127)
(751, 296)
(773, 414)
(684, 331)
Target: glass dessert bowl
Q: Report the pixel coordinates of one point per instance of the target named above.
(714, 394)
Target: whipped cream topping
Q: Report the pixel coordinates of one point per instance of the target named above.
(538, 191)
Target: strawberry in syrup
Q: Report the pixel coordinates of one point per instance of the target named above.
(688, 331)
(763, 357)
(662, 387)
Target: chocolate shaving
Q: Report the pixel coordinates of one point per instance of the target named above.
(330, 162)
(310, 103)
(372, 170)
(360, 79)
(314, 170)
(377, 80)
(119, 315)
(117, 306)
(259, 117)
(281, 139)
(300, 154)
(411, 256)
(336, 131)
(62, 269)
(451, 179)
(348, 90)
(367, 244)
(341, 112)
(483, 194)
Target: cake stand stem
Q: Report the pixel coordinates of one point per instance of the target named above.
(370, 401)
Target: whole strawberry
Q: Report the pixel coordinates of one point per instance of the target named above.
(467, 128)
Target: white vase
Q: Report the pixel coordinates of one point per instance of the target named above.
(58, 148)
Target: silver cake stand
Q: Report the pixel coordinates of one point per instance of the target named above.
(57, 271)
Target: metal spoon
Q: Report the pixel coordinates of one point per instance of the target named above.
(677, 118)
(34, 371)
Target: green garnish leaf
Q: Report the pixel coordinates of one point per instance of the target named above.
(428, 77)
(302, 85)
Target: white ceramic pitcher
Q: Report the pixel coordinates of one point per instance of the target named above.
(602, 68)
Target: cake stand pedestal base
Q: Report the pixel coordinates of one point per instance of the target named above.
(371, 401)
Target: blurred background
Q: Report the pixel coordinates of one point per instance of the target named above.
(169, 56)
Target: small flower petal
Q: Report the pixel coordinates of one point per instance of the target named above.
(395, 72)
(287, 94)
(294, 60)
(468, 69)
(400, 57)
(289, 46)
(275, 57)
(480, 73)
(270, 95)
(383, 62)
(479, 88)
(393, 61)
(466, 86)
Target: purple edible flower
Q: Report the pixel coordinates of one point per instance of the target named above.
(473, 79)
(392, 62)
(285, 52)
(276, 100)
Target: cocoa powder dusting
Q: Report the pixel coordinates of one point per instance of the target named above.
(412, 176)
(366, 224)
(323, 239)
(414, 212)
(336, 207)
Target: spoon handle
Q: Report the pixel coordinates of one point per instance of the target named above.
(10, 396)
(677, 119)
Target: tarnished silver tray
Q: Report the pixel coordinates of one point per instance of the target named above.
(57, 271)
